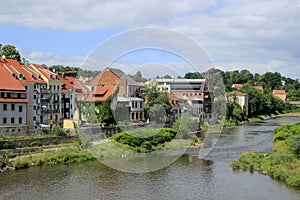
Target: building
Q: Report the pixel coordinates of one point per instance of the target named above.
(13, 103)
(281, 94)
(117, 78)
(125, 104)
(195, 95)
(242, 99)
(130, 109)
(50, 97)
(237, 86)
(32, 82)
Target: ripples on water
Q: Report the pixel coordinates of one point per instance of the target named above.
(187, 178)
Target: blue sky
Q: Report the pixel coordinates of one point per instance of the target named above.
(259, 36)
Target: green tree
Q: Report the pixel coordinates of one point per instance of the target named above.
(104, 112)
(193, 75)
(10, 51)
(157, 102)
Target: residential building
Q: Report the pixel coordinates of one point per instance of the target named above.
(237, 86)
(129, 109)
(243, 100)
(125, 103)
(68, 96)
(13, 103)
(50, 97)
(281, 94)
(117, 78)
(194, 94)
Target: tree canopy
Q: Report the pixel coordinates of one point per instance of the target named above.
(10, 51)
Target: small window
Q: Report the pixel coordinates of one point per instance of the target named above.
(20, 109)
(5, 106)
(12, 106)
(20, 120)
(34, 118)
(12, 120)
(53, 87)
(26, 87)
(4, 120)
(34, 96)
(19, 130)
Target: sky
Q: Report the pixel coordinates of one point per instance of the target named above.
(256, 35)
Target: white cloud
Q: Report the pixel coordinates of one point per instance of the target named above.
(256, 33)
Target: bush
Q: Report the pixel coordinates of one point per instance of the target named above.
(56, 130)
(145, 139)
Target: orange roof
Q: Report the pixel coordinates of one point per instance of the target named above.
(8, 82)
(47, 73)
(101, 93)
(237, 93)
(259, 87)
(238, 86)
(279, 92)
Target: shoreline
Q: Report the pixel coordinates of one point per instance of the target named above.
(283, 162)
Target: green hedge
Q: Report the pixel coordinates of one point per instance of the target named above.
(145, 140)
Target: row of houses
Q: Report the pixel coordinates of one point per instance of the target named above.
(34, 97)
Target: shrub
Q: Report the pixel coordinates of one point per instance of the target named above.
(56, 130)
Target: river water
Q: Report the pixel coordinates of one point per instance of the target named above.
(187, 178)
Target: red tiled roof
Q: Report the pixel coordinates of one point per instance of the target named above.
(47, 73)
(239, 93)
(101, 93)
(238, 86)
(279, 92)
(8, 82)
(259, 87)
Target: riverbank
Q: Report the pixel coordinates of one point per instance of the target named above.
(228, 124)
(72, 154)
(282, 163)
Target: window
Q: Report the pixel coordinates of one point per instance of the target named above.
(20, 120)
(4, 120)
(71, 106)
(58, 87)
(34, 96)
(5, 106)
(34, 107)
(12, 106)
(20, 108)
(34, 118)
(26, 87)
(12, 120)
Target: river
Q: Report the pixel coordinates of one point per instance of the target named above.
(187, 178)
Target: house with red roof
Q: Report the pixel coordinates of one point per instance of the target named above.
(281, 94)
(242, 99)
(13, 101)
(114, 81)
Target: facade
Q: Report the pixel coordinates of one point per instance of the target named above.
(130, 109)
(13, 103)
(242, 100)
(194, 95)
(281, 94)
(125, 104)
(50, 97)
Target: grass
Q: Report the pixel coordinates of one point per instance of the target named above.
(281, 164)
(61, 156)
